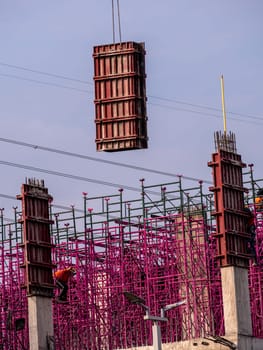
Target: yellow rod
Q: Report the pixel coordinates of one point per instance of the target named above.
(223, 102)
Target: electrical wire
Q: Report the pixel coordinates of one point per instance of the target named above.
(82, 156)
(205, 107)
(208, 114)
(79, 178)
(43, 82)
(105, 161)
(150, 103)
(71, 176)
(45, 73)
(256, 117)
(6, 196)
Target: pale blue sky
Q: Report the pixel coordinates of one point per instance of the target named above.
(189, 45)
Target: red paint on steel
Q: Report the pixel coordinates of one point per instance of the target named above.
(36, 238)
(120, 97)
(232, 235)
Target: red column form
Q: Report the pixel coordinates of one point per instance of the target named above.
(36, 238)
(120, 97)
(231, 219)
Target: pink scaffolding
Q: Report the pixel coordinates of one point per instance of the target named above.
(13, 301)
(158, 247)
(256, 280)
(160, 262)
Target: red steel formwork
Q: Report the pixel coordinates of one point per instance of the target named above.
(159, 247)
(231, 218)
(36, 238)
(120, 96)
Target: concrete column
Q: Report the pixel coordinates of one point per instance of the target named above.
(40, 322)
(236, 301)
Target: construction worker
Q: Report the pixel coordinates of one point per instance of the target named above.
(259, 199)
(62, 277)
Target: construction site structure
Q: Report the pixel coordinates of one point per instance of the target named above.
(120, 96)
(178, 252)
(37, 262)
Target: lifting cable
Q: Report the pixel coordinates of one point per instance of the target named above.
(113, 19)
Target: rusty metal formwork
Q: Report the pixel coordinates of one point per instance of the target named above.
(120, 97)
(231, 218)
(36, 238)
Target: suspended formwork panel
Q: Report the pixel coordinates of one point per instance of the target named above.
(120, 97)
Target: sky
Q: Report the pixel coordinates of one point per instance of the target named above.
(189, 45)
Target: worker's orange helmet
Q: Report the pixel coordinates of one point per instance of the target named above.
(258, 200)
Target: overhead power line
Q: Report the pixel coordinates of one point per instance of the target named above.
(82, 156)
(208, 114)
(206, 107)
(169, 100)
(6, 196)
(45, 73)
(151, 103)
(70, 176)
(43, 82)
